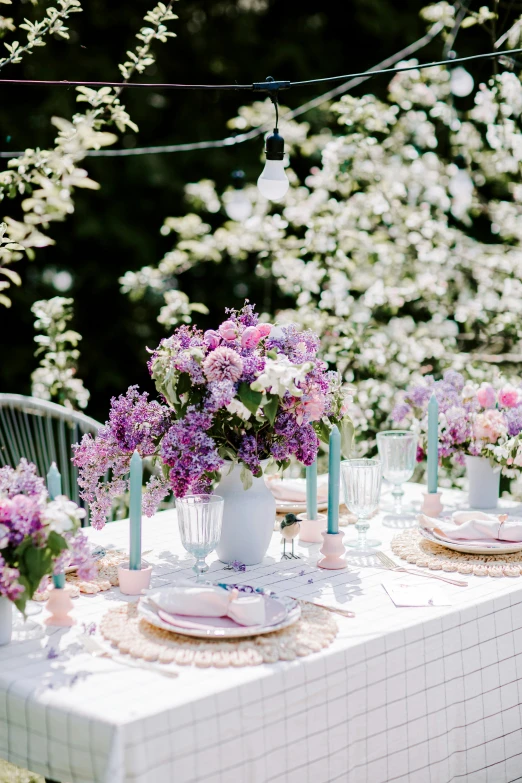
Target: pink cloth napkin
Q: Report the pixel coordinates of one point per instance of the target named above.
(474, 526)
(294, 490)
(191, 600)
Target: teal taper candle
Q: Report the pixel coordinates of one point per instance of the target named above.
(136, 477)
(433, 443)
(311, 491)
(334, 470)
(54, 487)
(54, 482)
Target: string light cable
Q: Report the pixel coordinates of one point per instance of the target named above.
(349, 82)
(273, 182)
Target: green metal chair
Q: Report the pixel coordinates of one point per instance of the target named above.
(43, 432)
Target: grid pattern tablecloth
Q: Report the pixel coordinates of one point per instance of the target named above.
(424, 695)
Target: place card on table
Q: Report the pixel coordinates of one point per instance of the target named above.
(403, 594)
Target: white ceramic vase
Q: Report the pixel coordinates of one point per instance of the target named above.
(484, 482)
(248, 518)
(6, 620)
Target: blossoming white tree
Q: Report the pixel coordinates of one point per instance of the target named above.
(402, 248)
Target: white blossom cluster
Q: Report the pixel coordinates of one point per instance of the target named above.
(45, 180)
(402, 247)
(55, 379)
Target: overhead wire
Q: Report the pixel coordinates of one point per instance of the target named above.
(350, 81)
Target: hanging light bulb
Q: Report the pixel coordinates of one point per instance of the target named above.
(237, 205)
(273, 182)
(461, 82)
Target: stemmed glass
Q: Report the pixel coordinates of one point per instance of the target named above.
(398, 452)
(199, 519)
(362, 490)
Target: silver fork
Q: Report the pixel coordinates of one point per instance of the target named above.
(392, 566)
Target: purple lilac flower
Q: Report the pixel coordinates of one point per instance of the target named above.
(298, 346)
(248, 454)
(514, 421)
(89, 629)
(22, 480)
(156, 489)
(21, 515)
(10, 587)
(248, 317)
(253, 366)
(52, 654)
(95, 457)
(455, 379)
(400, 412)
(137, 423)
(237, 565)
(220, 394)
(310, 582)
(301, 573)
(189, 451)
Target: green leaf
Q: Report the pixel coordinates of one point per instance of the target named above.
(184, 383)
(346, 429)
(250, 399)
(271, 407)
(246, 477)
(322, 429)
(56, 543)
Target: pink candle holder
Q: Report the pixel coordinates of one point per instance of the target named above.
(432, 505)
(60, 606)
(311, 531)
(133, 582)
(333, 551)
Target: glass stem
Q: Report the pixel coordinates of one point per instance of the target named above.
(200, 567)
(362, 525)
(397, 493)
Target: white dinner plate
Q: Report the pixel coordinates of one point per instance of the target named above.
(281, 612)
(473, 547)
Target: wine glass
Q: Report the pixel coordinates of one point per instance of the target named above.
(199, 519)
(398, 452)
(362, 490)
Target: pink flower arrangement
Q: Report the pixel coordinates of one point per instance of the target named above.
(474, 420)
(30, 522)
(244, 392)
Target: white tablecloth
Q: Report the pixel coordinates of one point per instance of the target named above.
(424, 695)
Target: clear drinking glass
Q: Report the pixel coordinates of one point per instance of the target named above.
(398, 453)
(362, 490)
(199, 520)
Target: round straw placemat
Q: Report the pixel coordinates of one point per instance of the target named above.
(131, 634)
(412, 547)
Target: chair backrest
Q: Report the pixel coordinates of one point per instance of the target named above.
(43, 432)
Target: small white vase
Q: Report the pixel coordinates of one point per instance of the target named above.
(6, 620)
(484, 482)
(248, 518)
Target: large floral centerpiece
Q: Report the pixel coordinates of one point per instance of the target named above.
(243, 393)
(474, 420)
(38, 536)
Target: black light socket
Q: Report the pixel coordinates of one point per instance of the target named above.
(275, 146)
(238, 179)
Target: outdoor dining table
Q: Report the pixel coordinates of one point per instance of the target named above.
(430, 694)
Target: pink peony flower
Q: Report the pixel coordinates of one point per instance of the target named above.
(486, 396)
(250, 337)
(264, 329)
(212, 339)
(490, 426)
(223, 364)
(228, 330)
(508, 397)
